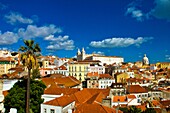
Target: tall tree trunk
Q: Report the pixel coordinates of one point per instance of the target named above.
(28, 92)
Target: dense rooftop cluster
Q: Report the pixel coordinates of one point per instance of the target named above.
(93, 83)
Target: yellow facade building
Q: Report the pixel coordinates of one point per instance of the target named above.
(163, 65)
(121, 78)
(6, 64)
(79, 70)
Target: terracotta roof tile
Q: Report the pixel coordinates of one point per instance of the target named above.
(119, 99)
(165, 103)
(82, 96)
(6, 59)
(96, 98)
(61, 101)
(65, 81)
(105, 76)
(46, 69)
(136, 89)
(93, 74)
(156, 103)
(54, 90)
(131, 96)
(62, 67)
(94, 108)
(95, 91)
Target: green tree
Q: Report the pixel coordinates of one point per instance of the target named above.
(36, 73)
(124, 109)
(149, 110)
(134, 109)
(29, 60)
(16, 96)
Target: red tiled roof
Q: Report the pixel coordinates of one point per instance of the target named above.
(16, 69)
(61, 101)
(156, 103)
(165, 103)
(46, 69)
(136, 89)
(6, 59)
(62, 67)
(119, 99)
(65, 81)
(54, 90)
(105, 76)
(82, 96)
(95, 91)
(96, 98)
(131, 96)
(95, 108)
(93, 74)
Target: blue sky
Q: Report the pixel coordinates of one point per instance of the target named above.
(127, 28)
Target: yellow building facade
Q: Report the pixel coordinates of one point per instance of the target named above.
(5, 65)
(79, 70)
(121, 78)
(163, 65)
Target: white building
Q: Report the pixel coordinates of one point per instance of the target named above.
(8, 83)
(61, 70)
(137, 90)
(58, 105)
(96, 68)
(104, 59)
(128, 100)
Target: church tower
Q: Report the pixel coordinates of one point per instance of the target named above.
(83, 54)
(78, 55)
(145, 60)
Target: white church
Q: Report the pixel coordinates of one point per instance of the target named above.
(104, 59)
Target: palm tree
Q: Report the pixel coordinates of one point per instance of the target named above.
(29, 60)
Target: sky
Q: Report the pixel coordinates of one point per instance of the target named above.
(126, 28)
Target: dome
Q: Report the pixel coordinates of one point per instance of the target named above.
(145, 59)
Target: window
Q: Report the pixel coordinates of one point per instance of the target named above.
(139, 101)
(52, 111)
(45, 110)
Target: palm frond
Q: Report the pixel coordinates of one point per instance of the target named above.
(22, 48)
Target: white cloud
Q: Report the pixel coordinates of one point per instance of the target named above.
(119, 42)
(14, 18)
(2, 6)
(60, 42)
(98, 52)
(135, 13)
(32, 31)
(167, 57)
(59, 38)
(161, 10)
(8, 38)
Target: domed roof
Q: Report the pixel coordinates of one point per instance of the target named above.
(145, 59)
